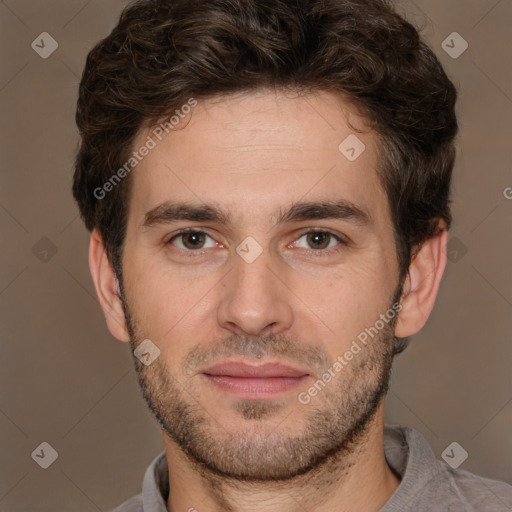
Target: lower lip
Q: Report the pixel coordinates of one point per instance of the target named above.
(250, 387)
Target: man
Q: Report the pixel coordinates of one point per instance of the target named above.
(267, 185)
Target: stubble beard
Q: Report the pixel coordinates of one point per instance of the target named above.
(334, 423)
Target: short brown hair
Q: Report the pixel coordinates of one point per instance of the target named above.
(163, 52)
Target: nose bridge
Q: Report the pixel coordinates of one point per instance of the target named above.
(253, 298)
(252, 277)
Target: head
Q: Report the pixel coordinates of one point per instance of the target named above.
(244, 109)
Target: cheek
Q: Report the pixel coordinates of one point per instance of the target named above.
(346, 303)
(165, 301)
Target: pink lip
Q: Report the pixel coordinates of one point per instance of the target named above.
(255, 382)
(234, 369)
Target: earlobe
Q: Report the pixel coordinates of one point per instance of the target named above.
(421, 285)
(107, 288)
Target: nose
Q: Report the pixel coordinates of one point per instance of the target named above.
(254, 301)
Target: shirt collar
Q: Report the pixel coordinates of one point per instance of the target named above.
(409, 454)
(155, 488)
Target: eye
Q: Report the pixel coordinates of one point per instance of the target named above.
(193, 240)
(190, 240)
(320, 241)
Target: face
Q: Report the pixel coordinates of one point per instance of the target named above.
(255, 244)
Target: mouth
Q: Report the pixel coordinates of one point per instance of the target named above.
(256, 382)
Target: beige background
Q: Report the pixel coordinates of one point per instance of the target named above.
(64, 380)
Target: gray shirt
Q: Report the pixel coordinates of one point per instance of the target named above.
(427, 484)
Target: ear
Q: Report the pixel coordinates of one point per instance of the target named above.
(107, 288)
(422, 284)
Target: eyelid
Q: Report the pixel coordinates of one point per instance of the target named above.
(339, 236)
(184, 231)
(341, 239)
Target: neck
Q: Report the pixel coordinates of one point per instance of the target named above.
(359, 480)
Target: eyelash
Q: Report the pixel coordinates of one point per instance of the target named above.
(342, 242)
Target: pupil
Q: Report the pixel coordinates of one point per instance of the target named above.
(193, 239)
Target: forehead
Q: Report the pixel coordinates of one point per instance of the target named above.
(254, 153)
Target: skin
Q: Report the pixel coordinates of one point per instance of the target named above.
(301, 302)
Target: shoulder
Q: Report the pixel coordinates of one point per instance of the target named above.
(476, 493)
(134, 504)
(155, 489)
(431, 484)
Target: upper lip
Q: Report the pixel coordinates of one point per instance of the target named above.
(266, 370)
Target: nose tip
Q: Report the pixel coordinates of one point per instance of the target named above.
(254, 301)
(250, 327)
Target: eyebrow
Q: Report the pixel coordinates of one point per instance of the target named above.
(339, 210)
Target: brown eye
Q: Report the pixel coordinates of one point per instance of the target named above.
(192, 241)
(318, 240)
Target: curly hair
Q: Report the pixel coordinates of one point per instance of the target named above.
(163, 52)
